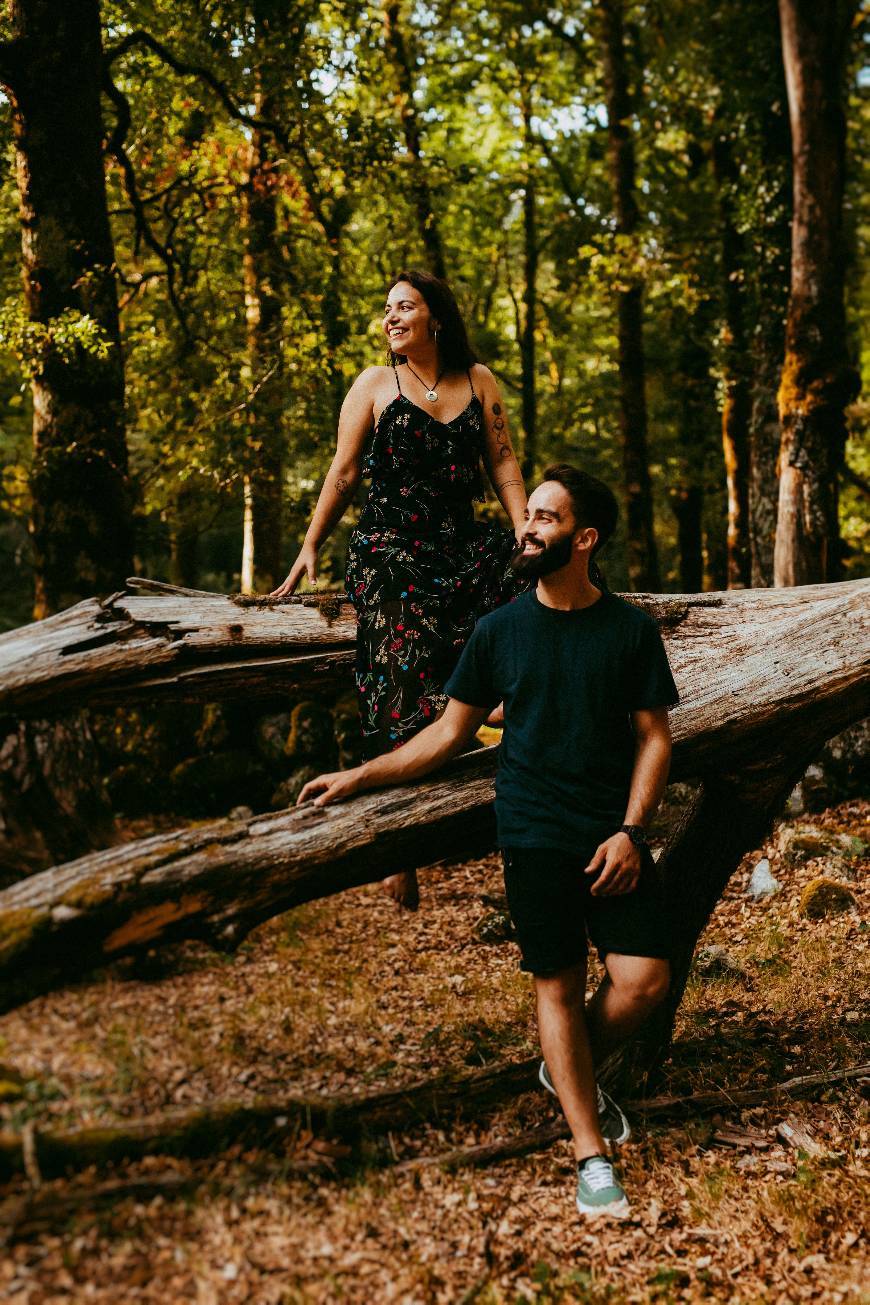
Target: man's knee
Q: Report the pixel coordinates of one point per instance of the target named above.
(644, 982)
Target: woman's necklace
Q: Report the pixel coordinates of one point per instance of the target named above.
(431, 394)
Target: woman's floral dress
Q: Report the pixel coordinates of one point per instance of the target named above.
(420, 569)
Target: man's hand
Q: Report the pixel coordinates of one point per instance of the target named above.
(336, 787)
(621, 861)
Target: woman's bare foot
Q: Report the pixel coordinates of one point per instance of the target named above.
(404, 889)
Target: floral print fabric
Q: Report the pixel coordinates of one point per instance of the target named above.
(420, 569)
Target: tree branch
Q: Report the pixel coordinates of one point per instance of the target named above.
(204, 74)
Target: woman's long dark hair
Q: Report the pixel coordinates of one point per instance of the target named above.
(457, 354)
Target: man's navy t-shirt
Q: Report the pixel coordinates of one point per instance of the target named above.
(568, 680)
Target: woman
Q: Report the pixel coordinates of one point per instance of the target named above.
(420, 569)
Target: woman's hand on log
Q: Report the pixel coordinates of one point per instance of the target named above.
(336, 787)
(618, 861)
(305, 564)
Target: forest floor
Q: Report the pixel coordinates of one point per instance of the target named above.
(350, 994)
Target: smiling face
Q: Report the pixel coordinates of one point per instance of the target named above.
(407, 323)
(551, 538)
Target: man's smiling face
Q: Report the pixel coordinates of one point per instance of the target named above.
(548, 538)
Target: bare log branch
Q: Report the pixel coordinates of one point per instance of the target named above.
(206, 1130)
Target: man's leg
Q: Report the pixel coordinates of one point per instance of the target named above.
(565, 1044)
(630, 990)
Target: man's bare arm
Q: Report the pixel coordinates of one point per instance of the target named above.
(617, 858)
(652, 759)
(425, 752)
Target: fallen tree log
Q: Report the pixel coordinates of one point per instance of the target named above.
(538, 1139)
(758, 701)
(155, 641)
(206, 1130)
(160, 642)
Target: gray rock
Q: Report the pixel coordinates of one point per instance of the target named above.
(716, 962)
(761, 882)
(494, 927)
(270, 737)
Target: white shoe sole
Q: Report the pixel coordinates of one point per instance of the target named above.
(626, 1128)
(616, 1210)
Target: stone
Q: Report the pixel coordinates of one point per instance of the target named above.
(312, 735)
(824, 896)
(494, 927)
(716, 962)
(801, 843)
(270, 737)
(761, 881)
(288, 790)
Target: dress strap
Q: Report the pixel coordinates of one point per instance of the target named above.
(471, 383)
(396, 374)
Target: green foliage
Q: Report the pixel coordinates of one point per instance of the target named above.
(320, 72)
(35, 344)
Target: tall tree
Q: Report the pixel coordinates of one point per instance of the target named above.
(263, 277)
(400, 60)
(736, 401)
(81, 517)
(643, 568)
(528, 378)
(817, 378)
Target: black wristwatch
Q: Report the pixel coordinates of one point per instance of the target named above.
(635, 833)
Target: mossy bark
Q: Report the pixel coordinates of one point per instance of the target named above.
(818, 379)
(81, 520)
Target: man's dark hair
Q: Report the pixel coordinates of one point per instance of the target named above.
(457, 354)
(593, 504)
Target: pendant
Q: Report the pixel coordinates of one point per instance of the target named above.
(432, 396)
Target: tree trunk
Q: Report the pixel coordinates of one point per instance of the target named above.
(265, 412)
(184, 539)
(643, 569)
(765, 676)
(530, 303)
(697, 413)
(182, 644)
(736, 402)
(765, 434)
(817, 378)
(407, 110)
(81, 518)
(773, 260)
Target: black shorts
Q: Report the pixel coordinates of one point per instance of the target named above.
(552, 908)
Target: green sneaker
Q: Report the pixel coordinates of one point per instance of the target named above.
(599, 1191)
(612, 1122)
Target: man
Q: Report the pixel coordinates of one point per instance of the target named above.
(586, 685)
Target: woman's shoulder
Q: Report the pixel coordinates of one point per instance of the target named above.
(483, 379)
(373, 377)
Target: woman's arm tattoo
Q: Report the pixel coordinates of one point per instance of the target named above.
(504, 483)
(342, 488)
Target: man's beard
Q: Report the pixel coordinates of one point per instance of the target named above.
(531, 566)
